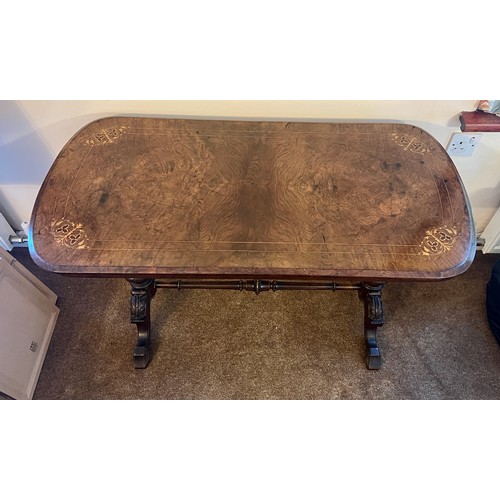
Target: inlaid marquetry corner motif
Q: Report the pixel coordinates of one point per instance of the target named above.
(69, 234)
(409, 143)
(439, 240)
(106, 136)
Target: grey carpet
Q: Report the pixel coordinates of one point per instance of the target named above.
(436, 343)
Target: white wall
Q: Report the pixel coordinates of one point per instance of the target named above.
(33, 132)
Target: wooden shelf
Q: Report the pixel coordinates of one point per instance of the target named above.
(479, 121)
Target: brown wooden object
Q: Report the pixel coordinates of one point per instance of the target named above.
(204, 201)
(479, 121)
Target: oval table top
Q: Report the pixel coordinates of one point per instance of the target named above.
(132, 196)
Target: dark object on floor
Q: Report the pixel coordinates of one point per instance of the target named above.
(493, 301)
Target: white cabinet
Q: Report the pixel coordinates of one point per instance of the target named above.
(28, 316)
(491, 235)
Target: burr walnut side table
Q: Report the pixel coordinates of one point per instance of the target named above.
(247, 205)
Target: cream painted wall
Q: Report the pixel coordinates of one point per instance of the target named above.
(33, 132)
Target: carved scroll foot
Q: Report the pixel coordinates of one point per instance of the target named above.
(142, 292)
(371, 294)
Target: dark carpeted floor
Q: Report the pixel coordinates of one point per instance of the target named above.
(436, 343)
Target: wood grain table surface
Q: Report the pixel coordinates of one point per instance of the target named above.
(132, 196)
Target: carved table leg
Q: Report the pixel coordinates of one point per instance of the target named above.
(371, 293)
(141, 294)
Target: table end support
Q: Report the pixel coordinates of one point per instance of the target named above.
(141, 293)
(371, 294)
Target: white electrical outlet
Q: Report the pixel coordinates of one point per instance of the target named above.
(462, 144)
